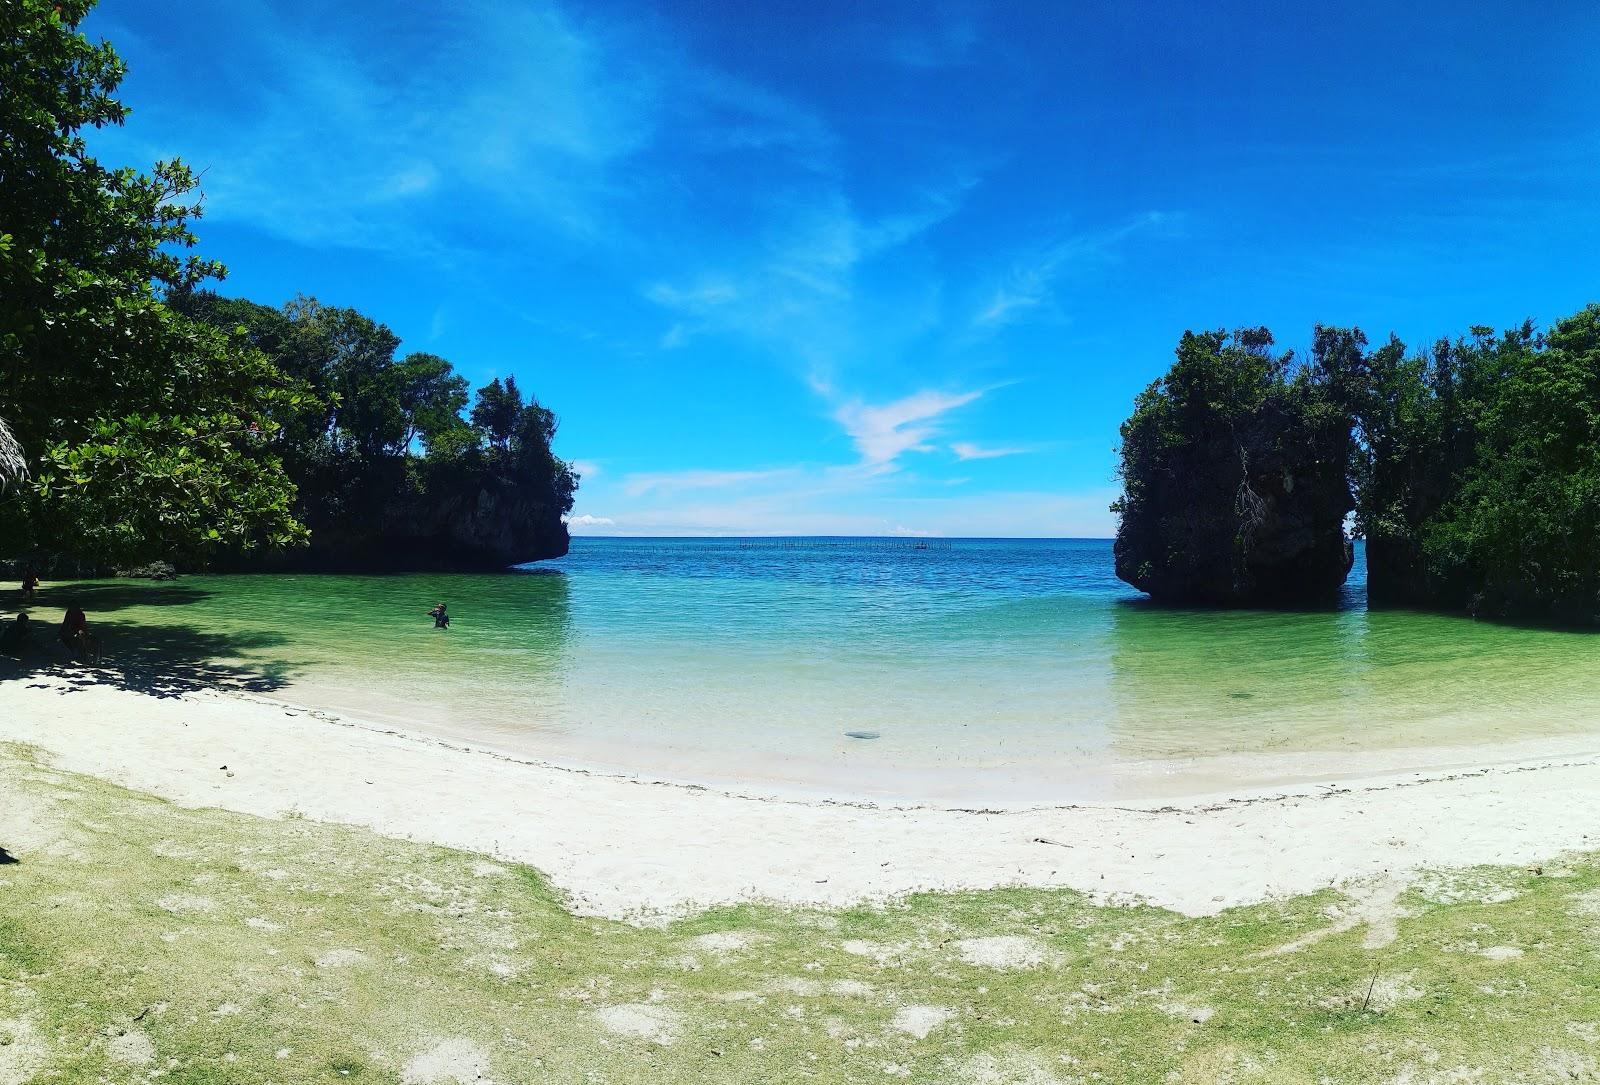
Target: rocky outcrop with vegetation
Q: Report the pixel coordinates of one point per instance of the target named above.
(391, 468)
(1234, 479)
(1473, 471)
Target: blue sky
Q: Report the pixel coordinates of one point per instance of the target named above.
(873, 268)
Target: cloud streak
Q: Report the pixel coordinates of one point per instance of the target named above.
(1030, 282)
(793, 288)
(636, 202)
(673, 482)
(966, 450)
(489, 109)
(884, 433)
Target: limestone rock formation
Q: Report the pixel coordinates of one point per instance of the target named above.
(1235, 481)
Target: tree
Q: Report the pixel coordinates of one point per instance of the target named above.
(147, 433)
(431, 398)
(349, 358)
(1477, 473)
(497, 412)
(1474, 470)
(1413, 441)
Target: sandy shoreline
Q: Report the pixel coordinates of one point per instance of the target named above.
(892, 773)
(630, 848)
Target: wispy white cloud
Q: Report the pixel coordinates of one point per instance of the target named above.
(512, 111)
(700, 298)
(503, 128)
(966, 450)
(731, 205)
(1010, 300)
(587, 469)
(1030, 282)
(883, 433)
(438, 127)
(792, 287)
(671, 482)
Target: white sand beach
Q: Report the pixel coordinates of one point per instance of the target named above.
(642, 850)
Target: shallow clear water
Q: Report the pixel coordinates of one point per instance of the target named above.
(990, 670)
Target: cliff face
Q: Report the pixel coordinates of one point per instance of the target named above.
(1250, 516)
(467, 517)
(483, 529)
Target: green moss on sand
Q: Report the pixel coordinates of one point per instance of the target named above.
(140, 941)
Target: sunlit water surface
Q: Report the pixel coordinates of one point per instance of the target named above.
(978, 672)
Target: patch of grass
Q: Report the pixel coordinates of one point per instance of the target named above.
(142, 941)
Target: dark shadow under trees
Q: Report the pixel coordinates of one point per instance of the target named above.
(155, 660)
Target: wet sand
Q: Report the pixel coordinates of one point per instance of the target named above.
(626, 847)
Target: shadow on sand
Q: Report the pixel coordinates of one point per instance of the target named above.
(156, 660)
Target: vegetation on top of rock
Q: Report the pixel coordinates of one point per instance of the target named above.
(1234, 476)
(389, 472)
(1475, 470)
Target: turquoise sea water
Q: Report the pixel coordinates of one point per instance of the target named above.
(989, 670)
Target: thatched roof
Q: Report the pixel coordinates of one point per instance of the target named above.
(13, 467)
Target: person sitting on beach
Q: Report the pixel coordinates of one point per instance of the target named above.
(75, 633)
(16, 636)
(441, 620)
(30, 584)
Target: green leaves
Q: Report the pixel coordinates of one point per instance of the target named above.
(182, 481)
(1520, 530)
(147, 427)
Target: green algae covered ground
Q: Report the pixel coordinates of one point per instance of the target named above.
(143, 942)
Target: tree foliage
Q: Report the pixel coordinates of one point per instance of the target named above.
(144, 432)
(1484, 475)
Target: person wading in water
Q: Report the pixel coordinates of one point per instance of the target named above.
(441, 620)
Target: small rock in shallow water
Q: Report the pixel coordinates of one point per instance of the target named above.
(861, 734)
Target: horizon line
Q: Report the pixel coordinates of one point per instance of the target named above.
(896, 538)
